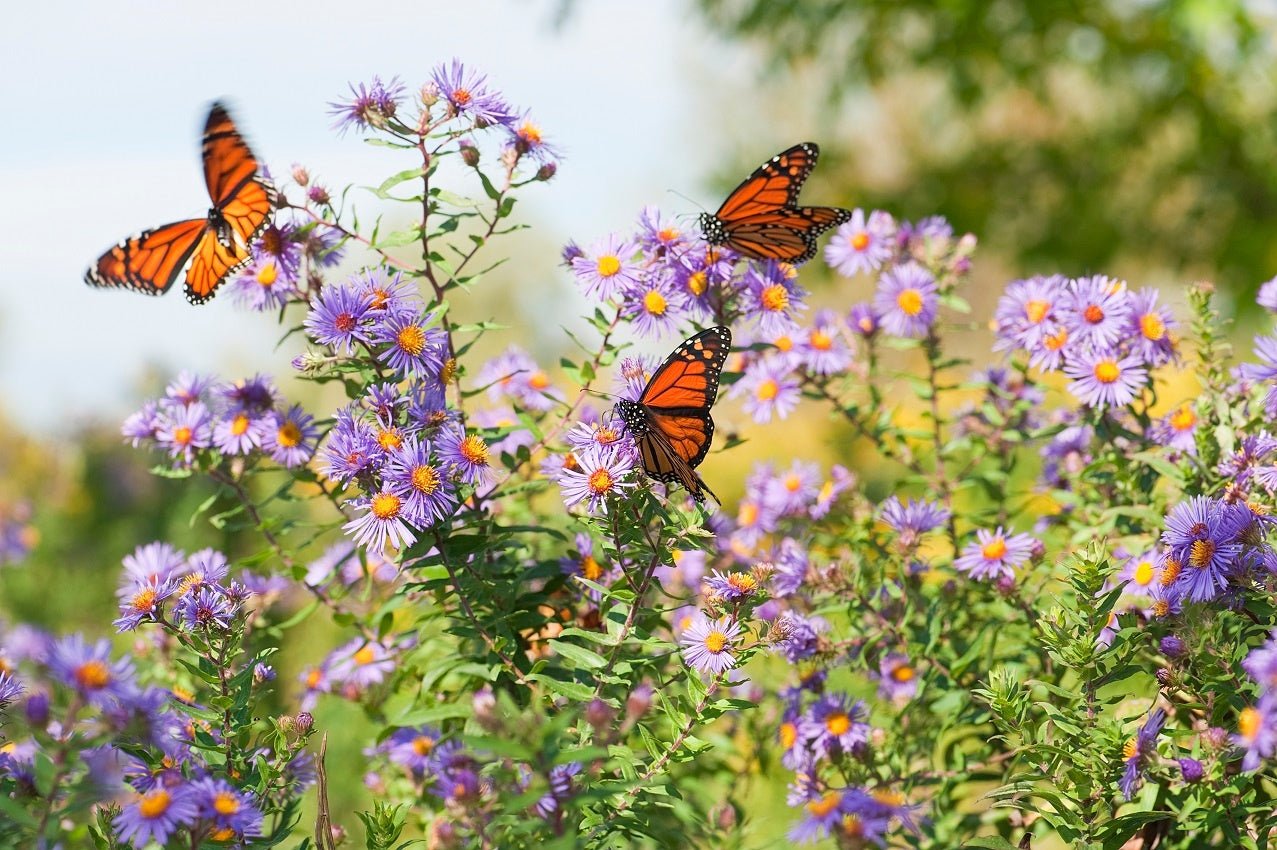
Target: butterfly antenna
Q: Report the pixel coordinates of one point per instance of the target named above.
(694, 203)
(598, 393)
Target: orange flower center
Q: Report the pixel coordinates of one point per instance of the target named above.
(461, 97)
(821, 341)
(226, 803)
(697, 283)
(859, 241)
(390, 439)
(412, 339)
(289, 435)
(93, 675)
(539, 381)
(903, 673)
(788, 735)
(153, 804)
(365, 656)
(600, 481)
(475, 450)
(1056, 341)
(767, 390)
(1035, 310)
(423, 745)
(826, 804)
(183, 435)
(995, 549)
(1249, 723)
(239, 425)
(1152, 326)
(748, 514)
(1093, 313)
(910, 301)
(386, 505)
(1107, 371)
(838, 723)
(1183, 419)
(1201, 553)
(774, 298)
(425, 479)
(144, 600)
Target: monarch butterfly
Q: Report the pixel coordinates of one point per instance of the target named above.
(761, 218)
(212, 247)
(670, 421)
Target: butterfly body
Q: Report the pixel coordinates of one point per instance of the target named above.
(671, 421)
(208, 249)
(761, 218)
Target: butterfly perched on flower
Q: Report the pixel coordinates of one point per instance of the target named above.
(670, 422)
(761, 217)
(210, 249)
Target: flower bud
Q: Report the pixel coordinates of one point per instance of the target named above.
(37, 709)
(1165, 676)
(430, 94)
(599, 715)
(637, 703)
(469, 153)
(305, 722)
(300, 175)
(547, 171)
(286, 723)
(1173, 647)
(484, 703)
(1191, 770)
(319, 195)
(723, 816)
(1215, 738)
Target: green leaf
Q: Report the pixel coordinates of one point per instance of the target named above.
(579, 654)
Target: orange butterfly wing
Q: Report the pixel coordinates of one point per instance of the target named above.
(789, 234)
(150, 261)
(773, 184)
(211, 264)
(243, 198)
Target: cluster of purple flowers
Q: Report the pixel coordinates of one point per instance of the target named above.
(356, 667)
(196, 587)
(1095, 329)
(283, 264)
(198, 415)
(1257, 724)
(1213, 548)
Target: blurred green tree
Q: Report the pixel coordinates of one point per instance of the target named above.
(1070, 136)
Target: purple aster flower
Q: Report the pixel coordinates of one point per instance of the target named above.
(657, 232)
(290, 437)
(792, 491)
(142, 425)
(384, 401)
(255, 396)
(421, 480)
(411, 748)
(233, 813)
(863, 319)
(770, 389)
(156, 561)
(906, 300)
(89, 669)
(468, 456)
(336, 318)
(261, 286)
(370, 105)
(1257, 731)
(385, 523)
(206, 608)
(10, 689)
(607, 268)
(1267, 297)
(600, 471)
(822, 814)
(635, 373)
(389, 295)
(1150, 329)
(515, 375)
(840, 480)
(791, 562)
(189, 387)
(412, 348)
(144, 602)
(822, 349)
(466, 91)
(1191, 770)
(994, 554)
(1048, 349)
(351, 448)
(526, 139)
(561, 790)
(605, 433)
(1177, 430)
(771, 296)
(731, 586)
(754, 519)
(910, 520)
(1261, 665)
(1102, 379)
(861, 246)
(835, 725)
(238, 434)
(1026, 310)
(1201, 535)
(155, 815)
(360, 664)
(1140, 572)
(897, 678)
(1096, 311)
(1138, 751)
(183, 430)
(654, 306)
(708, 644)
(802, 636)
(205, 568)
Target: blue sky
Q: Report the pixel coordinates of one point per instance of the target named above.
(104, 103)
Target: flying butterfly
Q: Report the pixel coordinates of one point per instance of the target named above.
(210, 249)
(761, 217)
(670, 421)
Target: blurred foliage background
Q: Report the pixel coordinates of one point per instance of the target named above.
(1131, 137)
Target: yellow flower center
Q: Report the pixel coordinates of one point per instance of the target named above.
(93, 675)
(654, 303)
(608, 265)
(314, 677)
(390, 439)
(600, 481)
(1171, 572)
(1056, 341)
(910, 301)
(783, 343)
(1201, 553)
(183, 435)
(267, 274)
(1249, 723)
(903, 673)
(774, 298)
(539, 381)
(826, 804)
(788, 735)
(859, 240)
(1107, 371)
(590, 568)
(1143, 572)
(449, 370)
(144, 600)
(1152, 326)
(475, 450)
(1131, 748)
(995, 549)
(153, 804)
(792, 483)
(222, 834)
(226, 803)
(1036, 309)
(386, 505)
(425, 479)
(1183, 419)
(747, 515)
(888, 797)
(852, 827)
(1161, 608)
(820, 340)
(715, 641)
(742, 582)
(239, 425)
(365, 656)
(412, 339)
(767, 390)
(697, 283)
(289, 435)
(530, 133)
(838, 723)
(422, 745)
(1093, 313)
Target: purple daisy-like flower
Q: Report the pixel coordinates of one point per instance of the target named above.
(360, 664)
(411, 748)
(261, 286)
(238, 434)
(395, 294)
(141, 603)
(1102, 379)
(385, 523)
(254, 396)
(90, 671)
(561, 790)
(731, 586)
(156, 561)
(466, 91)
(142, 425)
(1178, 429)
(771, 297)
(233, 813)
(153, 816)
(863, 319)
(1049, 348)
(791, 561)
(1138, 751)
(862, 245)
(412, 348)
(1201, 535)
(206, 608)
(1150, 329)
(370, 105)
(657, 233)
(654, 306)
(351, 448)
(994, 554)
(897, 678)
(290, 437)
(840, 480)
(708, 644)
(601, 471)
(467, 455)
(835, 724)
(910, 520)
(184, 430)
(1261, 665)
(792, 491)
(189, 388)
(1140, 572)
(906, 300)
(821, 814)
(10, 689)
(770, 388)
(607, 268)
(1096, 310)
(1257, 731)
(336, 318)
(526, 139)
(515, 375)
(411, 471)
(1026, 310)
(635, 372)
(802, 636)
(822, 349)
